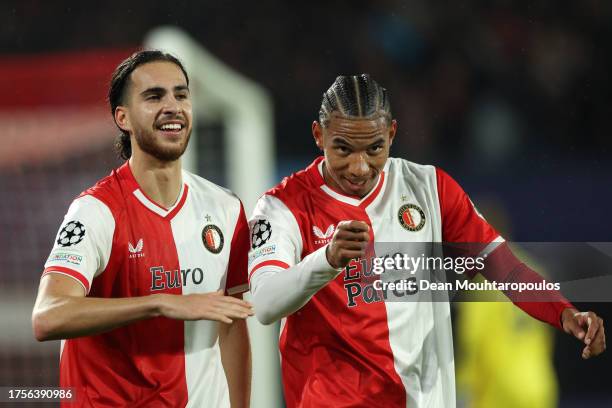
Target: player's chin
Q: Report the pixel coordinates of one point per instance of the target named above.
(170, 151)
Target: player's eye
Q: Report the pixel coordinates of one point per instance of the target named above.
(153, 97)
(182, 96)
(342, 149)
(375, 149)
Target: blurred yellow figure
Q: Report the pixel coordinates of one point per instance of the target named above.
(505, 357)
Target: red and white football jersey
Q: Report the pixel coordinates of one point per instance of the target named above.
(118, 243)
(347, 346)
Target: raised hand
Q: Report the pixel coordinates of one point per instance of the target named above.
(350, 241)
(586, 327)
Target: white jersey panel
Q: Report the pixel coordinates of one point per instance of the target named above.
(420, 333)
(216, 210)
(84, 241)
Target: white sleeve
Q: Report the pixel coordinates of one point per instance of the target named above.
(83, 243)
(281, 282)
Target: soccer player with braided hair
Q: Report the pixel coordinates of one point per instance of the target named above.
(342, 342)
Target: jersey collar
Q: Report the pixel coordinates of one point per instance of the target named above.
(125, 172)
(316, 172)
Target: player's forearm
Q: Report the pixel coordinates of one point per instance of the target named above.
(544, 305)
(65, 317)
(236, 359)
(277, 294)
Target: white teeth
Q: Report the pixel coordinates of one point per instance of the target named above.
(171, 126)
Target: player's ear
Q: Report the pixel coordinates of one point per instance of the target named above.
(317, 133)
(121, 118)
(392, 131)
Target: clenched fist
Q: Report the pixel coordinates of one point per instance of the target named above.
(350, 241)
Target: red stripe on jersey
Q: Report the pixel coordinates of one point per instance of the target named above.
(271, 262)
(239, 255)
(70, 272)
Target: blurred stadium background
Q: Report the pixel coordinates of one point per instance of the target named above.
(511, 98)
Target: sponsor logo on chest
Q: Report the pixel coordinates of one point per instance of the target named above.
(322, 238)
(136, 251)
(162, 279)
(359, 280)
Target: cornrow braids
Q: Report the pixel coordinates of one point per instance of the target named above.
(355, 96)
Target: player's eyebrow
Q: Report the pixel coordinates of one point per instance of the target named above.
(378, 141)
(158, 90)
(341, 140)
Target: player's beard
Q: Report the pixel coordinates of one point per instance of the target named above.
(147, 142)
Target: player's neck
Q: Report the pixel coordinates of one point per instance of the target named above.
(160, 181)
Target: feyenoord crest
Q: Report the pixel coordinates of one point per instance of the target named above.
(411, 217)
(212, 237)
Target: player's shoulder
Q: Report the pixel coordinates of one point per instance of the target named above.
(419, 175)
(402, 167)
(295, 183)
(289, 195)
(199, 186)
(106, 192)
(293, 188)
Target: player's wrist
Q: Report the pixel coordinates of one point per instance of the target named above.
(568, 313)
(157, 305)
(329, 258)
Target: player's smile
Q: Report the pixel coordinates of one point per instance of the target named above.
(171, 128)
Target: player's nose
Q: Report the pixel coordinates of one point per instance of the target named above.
(171, 105)
(358, 166)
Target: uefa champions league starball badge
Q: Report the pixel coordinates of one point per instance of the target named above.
(72, 233)
(261, 233)
(212, 237)
(411, 217)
